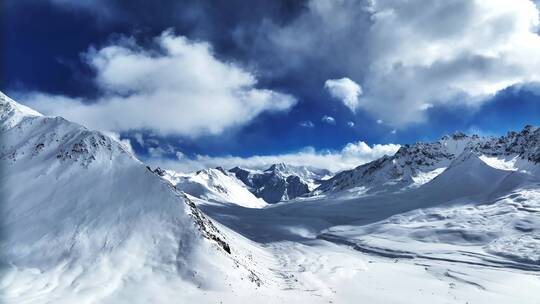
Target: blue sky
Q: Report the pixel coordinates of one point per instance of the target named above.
(194, 83)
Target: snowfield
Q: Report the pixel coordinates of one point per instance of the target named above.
(84, 221)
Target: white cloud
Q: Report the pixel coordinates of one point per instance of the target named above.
(179, 155)
(379, 121)
(161, 151)
(350, 124)
(180, 89)
(139, 138)
(425, 106)
(306, 124)
(352, 155)
(328, 119)
(457, 51)
(411, 54)
(345, 90)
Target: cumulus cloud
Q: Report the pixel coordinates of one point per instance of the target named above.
(456, 51)
(345, 90)
(352, 155)
(412, 55)
(328, 120)
(178, 88)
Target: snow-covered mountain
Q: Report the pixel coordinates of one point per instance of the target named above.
(83, 221)
(470, 234)
(417, 164)
(281, 182)
(213, 185)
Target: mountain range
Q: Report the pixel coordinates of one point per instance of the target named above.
(84, 221)
(417, 164)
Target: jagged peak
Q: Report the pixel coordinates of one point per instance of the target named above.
(529, 129)
(458, 135)
(277, 167)
(219, 168)
(212, 171)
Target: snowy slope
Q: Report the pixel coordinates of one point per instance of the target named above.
(468, 235)
(84, 221)
(216, 185)
(11, 112)
(472, 214)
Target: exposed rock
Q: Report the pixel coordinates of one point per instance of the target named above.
(279, 182)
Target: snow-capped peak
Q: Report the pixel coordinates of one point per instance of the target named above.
(217, 186)
(417, 164)
(12, 112)
(77, 206)
(279, 167)
(281, 181)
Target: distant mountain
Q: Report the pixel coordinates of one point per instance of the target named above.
(281, 182)
(215, 185)
(417, 164)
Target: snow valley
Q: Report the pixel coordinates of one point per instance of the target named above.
(84, 221)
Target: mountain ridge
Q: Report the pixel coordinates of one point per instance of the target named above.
(78, 205)
(415, 164)
(280, 182)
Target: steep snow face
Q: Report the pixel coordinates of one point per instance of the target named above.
(84, 221)
(11, 112)
(415, 165)
(281, 182)
(216, 185)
